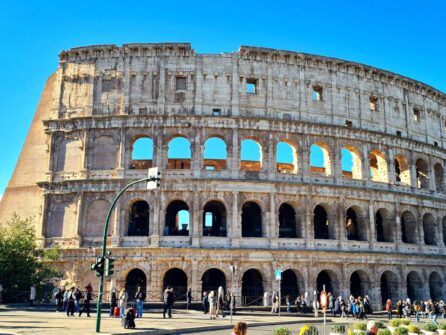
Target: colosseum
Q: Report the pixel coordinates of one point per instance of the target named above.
(375, 225)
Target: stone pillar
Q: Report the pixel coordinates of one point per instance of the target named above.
(195, 283)
(342, 234)
(305, 159)
(194, 220)
(122, 151)
(235, 231)
(235, 161)
(273, 224)
(308, 219)
(336, 164)
(420, 225)
(440, 232)
(198, 104)
(392, 173)
(157, 219)
(116, 233)
(372, 224)
(235, 87)
(365, 164)
(413, 171)
(270, 158)
(80, 211)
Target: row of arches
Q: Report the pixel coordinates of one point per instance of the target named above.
(253, 284)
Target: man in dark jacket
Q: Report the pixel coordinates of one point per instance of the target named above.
(88, 296)
(140, 296)
(168, 302)
(205, 303)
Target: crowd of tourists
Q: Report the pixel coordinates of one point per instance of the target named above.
(72, 300)
(428, 309)
(217, 302)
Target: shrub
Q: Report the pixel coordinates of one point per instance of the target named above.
(360, 326)
(282, 331)
(338, 328)
(379, 324)
(430, 327)
(384, 331)
(394, 323)
(404, 322)
(401, 331)
(308, 330)
(414, 329)
(442, 326)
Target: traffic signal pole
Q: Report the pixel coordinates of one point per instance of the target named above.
(104, 245)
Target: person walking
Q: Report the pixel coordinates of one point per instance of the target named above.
(123, 298)
(88, 296)
(77, 300)
(436, 312)
(315, 307)
(32, 295)
(212, 305)
(417, 309)
(59, 298)
(140, 296)
(65, 299)
(205, 303)
(70, 302)
(113, 302)
(168, 300)
(389, 309)
(240, 328)
(337, 307)
(188, 299)
(221, 302)
(288, 303)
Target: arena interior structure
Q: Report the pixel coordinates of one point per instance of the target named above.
(376, 227)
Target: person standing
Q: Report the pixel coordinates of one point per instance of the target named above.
(168, 302)
(32, 295)
(70, 302)
(389, 309)
(140, 296)
(88, 296)
(288, 303)
(212, 305)
(65, 299)
(221, 301)
(123, 298)
(59, 297)
(188, 299)
(77, 300)
(113, 302)
(205, 303)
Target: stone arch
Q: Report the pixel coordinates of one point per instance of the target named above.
(104, 153)
(212, 279)
(62, 218)
(320, 158)
(439, 177)
(135, 277)
(351, 162)
(289, 226)
(330, 280)
(179, 153)
(384, 225)
(402, 170)
(286, 157)
(360, 283)
(252, 286)
(251, 219)
(139, 218)
(436, 286)
(422, 170)
(177, 220)
(408, 228)
(414, 286)
(97, 211)
(430, 229)
(215, 154)
(323, 229)
(354, 224)
(176, 278)
(378, 166)
(142, 153)
(389, 286)
(69, 155)
(292, 283)
(214, 219)
(251, 155)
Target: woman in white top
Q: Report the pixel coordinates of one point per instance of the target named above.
(123, 297)
(212, 305)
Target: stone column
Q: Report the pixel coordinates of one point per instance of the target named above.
(392, 173)
(440, 232)
(273, 224)
(235, 231)
(342, 234)
(372, 224)
(336, 164)
(365, 164)
(413, 171)
(308, 219)
(305, 159)
(80, 211)
(116, 233)
(235, 161)
(198, 104)
(235, 87)
(419, 225)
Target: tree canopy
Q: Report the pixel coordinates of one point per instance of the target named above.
(22, 262)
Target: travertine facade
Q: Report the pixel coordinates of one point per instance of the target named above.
(378, 229)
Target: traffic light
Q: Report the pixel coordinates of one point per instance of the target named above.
(109, 266)
(98, 267)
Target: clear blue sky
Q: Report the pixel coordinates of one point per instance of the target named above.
(407, 37)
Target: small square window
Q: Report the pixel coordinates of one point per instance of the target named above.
(317, 93)
(216, 112)
(416, 115)
(251, 86)
(348, 123)
(398, 133)
(373, 102)
(180, 84)
(436, 143)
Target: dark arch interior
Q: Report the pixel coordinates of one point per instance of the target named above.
(176, 279)
(351, 224)
(408, 228)
(287, 222)
(323, 278)
(139, 219)
(214, 219)
(212, 279)
(389, 286)
(135, 278)
(251, 220)
(430, 230)
(289, 285)
(414, 287)
(173, 225)
(252, 286)
(355, 284)
(379, 227)
(320, 223)
(435, 287)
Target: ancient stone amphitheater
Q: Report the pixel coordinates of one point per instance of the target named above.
(377, 228)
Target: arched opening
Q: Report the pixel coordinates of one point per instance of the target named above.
(408, 228)
(214, 219)
(435, 287)
(104, 153)
(320, 222)
(329, 279)
(252, 287)
(251, 220)
(212, 279)
(135, 278)
(378, 166)
(177, 219)
(69, 154)
(429, 229)
(439, 177)
(383, 226)
(422, 174)
(359, 284)
(287, 222)
(353, 226)
(139, 219)
(320, 161)
(176, 279)
(402, 170)
(215, 154)
(389, 286)
(251, 155)
(142, 153)
(289, 285)
(351, 163)
(414, 286)
(179, 153)
(286, 158)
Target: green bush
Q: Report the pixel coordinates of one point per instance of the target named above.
(401, 331)
(430, 327)
(442, 326)
(338, 328)
(360, 326)
(282, 331)
(384, 331)
(404, 322)
(379, 324)
(414, 329)
(394, 323)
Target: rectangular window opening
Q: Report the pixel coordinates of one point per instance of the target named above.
(348, 123)
(398, 133)
(251, 86)
(436, 143)
(416, 115)
(317, 93)
(180, 83)
(216, 112)
(373, 101)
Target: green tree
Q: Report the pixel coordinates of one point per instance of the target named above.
(22, 262)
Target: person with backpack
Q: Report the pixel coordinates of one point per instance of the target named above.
(140, 296)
